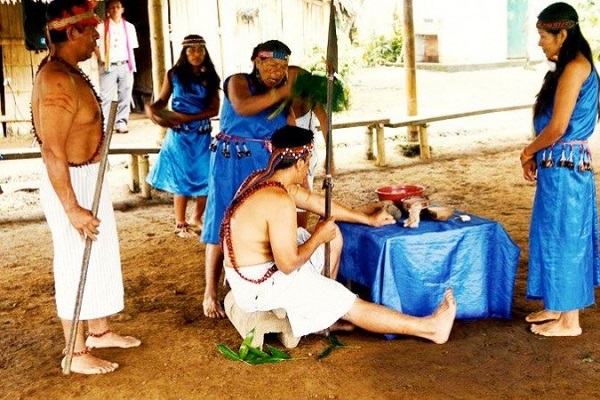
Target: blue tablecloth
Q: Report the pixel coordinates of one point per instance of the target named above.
(408, 269)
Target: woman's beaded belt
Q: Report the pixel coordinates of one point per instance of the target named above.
(566, 160)
(183, 128)
(225, 141)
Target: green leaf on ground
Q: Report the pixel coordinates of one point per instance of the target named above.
(334, 343)
(253, 355)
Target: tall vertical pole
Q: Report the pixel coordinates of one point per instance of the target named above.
(410, 68)
(157, 13)
(331, 66)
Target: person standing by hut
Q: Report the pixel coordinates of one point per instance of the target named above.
(183, 162)
(248, 119)
(116, 62)
(564, 263)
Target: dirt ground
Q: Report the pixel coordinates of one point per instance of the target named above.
(475, 168)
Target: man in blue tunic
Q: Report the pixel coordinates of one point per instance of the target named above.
(248, 119)
(563, 248)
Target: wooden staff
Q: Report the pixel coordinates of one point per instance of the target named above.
(332, 66)
(88, 241)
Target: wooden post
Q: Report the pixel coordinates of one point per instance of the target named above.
(144, 168)
(135, 174)
(424, 142)
(410, 68)
(381, 161)
(157, 15)
(369, 143)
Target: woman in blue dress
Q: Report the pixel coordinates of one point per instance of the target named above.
(563, 239)
(182, 166)
(249, 117)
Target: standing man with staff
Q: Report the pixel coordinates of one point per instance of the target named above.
(67, 120)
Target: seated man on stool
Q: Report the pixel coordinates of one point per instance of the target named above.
(270, 264)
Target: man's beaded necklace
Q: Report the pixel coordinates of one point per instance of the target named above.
(76, 71)
(226, 226)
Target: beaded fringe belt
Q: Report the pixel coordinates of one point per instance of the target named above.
(241, 149)
(567, 156)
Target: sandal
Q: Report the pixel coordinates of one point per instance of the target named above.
(184, 231)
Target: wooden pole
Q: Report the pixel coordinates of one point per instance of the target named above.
(331, 66)
(410, 68)
(87, 251)
(157, 15)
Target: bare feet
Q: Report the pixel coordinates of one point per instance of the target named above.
(87, 364)
(555, 328)
(342, 326)
(111, 339)
(196, 226)
(185, 231)
(212, 308)
(541, 316)
(443, 318)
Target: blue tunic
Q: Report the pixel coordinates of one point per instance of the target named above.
(183, 162)
(228, 173)
(563, 240)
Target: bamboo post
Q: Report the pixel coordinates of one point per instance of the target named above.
(157, 13)
(369, 143)
(144, 167)
(424, 142)
(381, 161)
(135, 174)
(410, 68)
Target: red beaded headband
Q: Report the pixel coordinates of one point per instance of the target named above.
(293, 153)
(81, 16)
(555, 25)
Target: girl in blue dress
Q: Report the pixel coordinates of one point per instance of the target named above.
(563, 239)
(182, 166)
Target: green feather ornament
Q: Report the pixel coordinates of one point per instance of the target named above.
(312, 88)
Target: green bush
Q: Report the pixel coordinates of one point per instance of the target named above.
(382, 50)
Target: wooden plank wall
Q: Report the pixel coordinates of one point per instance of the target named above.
(17, 65)
(232, 28)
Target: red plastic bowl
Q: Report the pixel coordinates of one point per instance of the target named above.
(397, 193)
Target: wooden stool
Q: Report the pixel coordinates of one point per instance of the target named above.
(262, 322)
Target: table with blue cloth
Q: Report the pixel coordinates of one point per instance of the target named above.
(408, 269)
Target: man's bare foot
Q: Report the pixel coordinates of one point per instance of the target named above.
(443, 318)
(102, 340)
(541, 316)
(555, 328)
(87, 364)
(212, 308)
(342, 326)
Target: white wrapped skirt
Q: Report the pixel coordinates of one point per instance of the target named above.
(312, 301)
(103, 294)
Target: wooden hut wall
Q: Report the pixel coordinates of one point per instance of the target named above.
(19, 66)
(232, 28)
